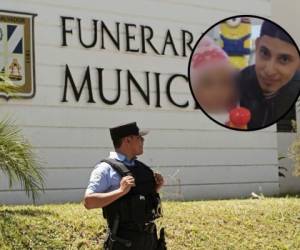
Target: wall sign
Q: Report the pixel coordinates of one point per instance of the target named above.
(127, 43)
(17, 55)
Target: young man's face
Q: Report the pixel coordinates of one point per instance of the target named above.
(136, 144)
(276, 63)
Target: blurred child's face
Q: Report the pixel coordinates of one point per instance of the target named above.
(215, 89)
(276, 62)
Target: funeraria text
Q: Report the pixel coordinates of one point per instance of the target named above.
(101, 33)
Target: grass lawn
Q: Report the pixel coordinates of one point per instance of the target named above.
(270, 223)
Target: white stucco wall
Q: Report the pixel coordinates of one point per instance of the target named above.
(198, 158)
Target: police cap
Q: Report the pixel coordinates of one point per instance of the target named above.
(128, 129)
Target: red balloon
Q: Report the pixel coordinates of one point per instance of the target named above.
(240, 116)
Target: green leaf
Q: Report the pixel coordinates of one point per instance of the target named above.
(18, 160)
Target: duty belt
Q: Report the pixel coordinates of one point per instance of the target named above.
(148, 227)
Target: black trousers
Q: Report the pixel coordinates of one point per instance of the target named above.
(140, 240)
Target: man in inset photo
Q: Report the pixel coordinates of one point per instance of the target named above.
(270, 87)
(251, 97)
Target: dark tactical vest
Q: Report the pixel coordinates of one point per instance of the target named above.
(142, 203)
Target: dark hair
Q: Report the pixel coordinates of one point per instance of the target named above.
(271, 29)
(117, 142)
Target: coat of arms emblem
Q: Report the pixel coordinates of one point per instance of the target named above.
(16, 54)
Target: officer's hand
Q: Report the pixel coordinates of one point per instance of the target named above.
(126, 183)
(159, 179)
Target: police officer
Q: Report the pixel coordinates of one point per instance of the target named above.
(127, 191)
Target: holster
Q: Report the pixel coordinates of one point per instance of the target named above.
(111, 239)
(161, 245)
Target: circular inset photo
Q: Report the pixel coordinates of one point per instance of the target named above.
(244, 72)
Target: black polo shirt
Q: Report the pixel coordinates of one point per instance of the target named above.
(265, 111)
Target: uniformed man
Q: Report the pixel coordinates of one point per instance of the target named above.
(127, 191)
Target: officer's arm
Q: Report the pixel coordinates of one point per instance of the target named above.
(99, 200)
(159, 180)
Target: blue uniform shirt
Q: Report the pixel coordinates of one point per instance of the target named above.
(104, 178)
